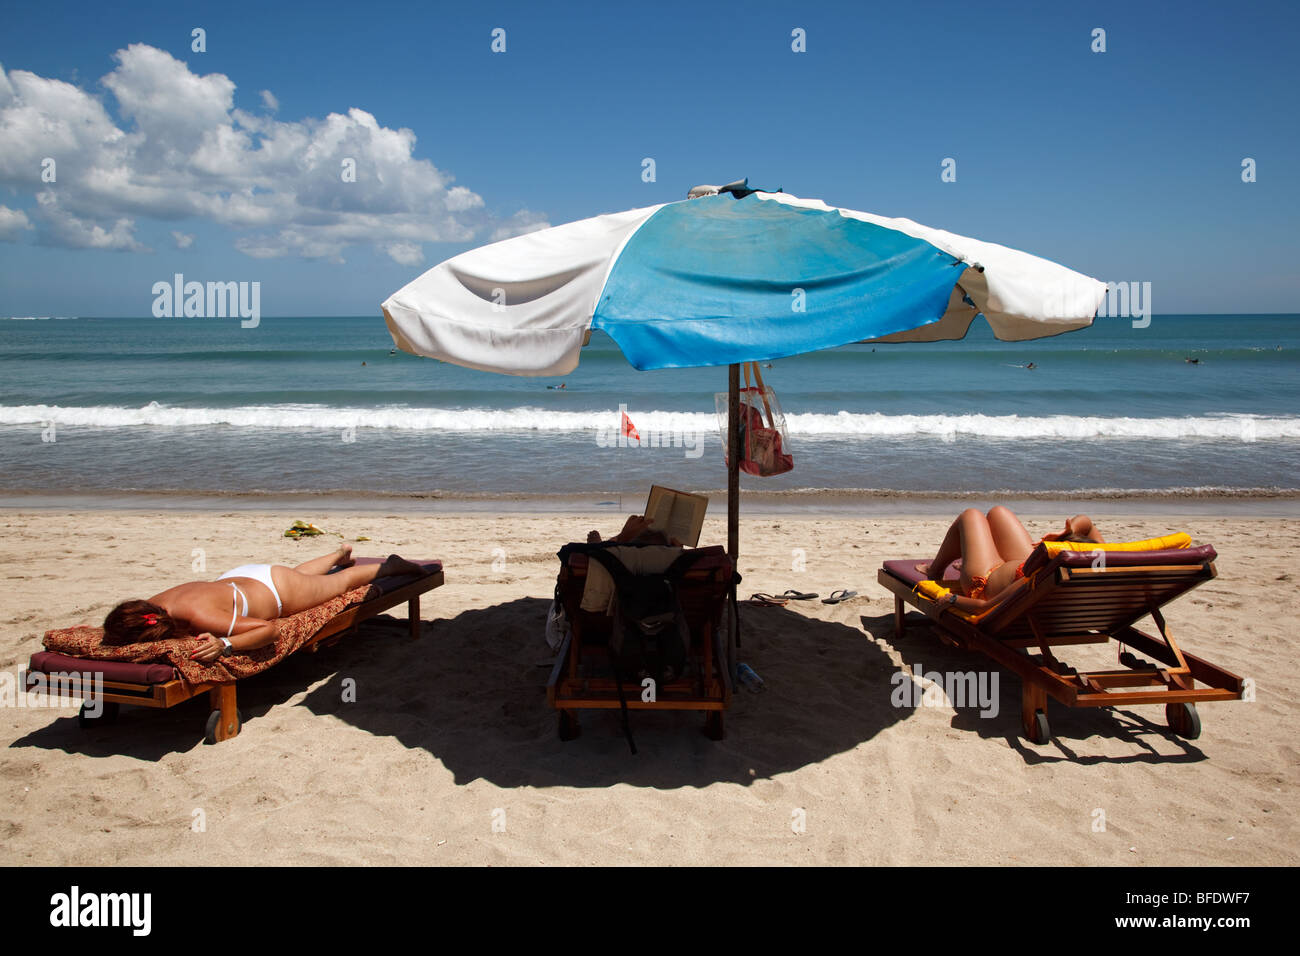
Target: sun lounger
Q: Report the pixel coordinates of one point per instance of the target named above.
(1073, 597)
(163, 685)
(582, 679)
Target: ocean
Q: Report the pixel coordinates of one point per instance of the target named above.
(1188, 406)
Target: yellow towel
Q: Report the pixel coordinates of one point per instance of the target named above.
(1178, 540)
(937, 592)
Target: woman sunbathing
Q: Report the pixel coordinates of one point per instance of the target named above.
(993, 549)
(243, 604)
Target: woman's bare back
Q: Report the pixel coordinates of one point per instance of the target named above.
(211, 605)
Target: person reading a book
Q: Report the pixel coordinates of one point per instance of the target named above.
(638, 529)
(993, 549)
(672, 521)
(671, 518)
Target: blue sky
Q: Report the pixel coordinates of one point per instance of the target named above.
(1125, 165)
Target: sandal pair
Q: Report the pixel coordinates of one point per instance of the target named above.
(781, 600)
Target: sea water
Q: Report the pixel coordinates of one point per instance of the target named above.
(1186, 405)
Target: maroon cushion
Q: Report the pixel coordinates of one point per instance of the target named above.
(389, 584)
(47, 662)
(906, 569)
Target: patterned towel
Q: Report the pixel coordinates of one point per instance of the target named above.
(88, 642)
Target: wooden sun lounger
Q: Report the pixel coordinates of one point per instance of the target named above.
(582, 679)
(225, 720)
(1072, 602)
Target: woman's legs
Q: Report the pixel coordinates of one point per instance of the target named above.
(949, 551)
(299, 591)
(971, 539)
(342, 557)
(1009, 535)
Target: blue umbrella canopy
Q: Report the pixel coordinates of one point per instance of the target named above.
(719, 280)
(722, 279)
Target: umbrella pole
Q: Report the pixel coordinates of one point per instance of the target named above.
(733, 504)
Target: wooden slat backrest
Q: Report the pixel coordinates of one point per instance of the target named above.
(1072, 601)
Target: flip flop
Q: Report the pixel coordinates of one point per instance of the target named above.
(794, 595)
(768, 600)
(843, 594)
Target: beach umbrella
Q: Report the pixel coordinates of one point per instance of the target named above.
(733, 275)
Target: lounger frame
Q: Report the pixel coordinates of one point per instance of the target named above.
(707, 688)
(224, 720)
(1086, 605)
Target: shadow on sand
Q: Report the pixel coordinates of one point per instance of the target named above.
(471, 692)
(1137, 729)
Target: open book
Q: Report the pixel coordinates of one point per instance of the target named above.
(677, 514)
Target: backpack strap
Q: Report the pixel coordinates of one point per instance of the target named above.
(611, 563)
(600, 553)
(622, 699)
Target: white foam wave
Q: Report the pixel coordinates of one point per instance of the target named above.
(532, 419)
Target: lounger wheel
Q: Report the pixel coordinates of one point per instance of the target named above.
(1039, 731)
(569, 728)
(216, 732)
(107, 716)
(1183, 720)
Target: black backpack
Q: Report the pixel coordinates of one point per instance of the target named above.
(649, 634)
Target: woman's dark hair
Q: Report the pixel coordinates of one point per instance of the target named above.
(140, 622)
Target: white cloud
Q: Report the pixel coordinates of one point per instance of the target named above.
(183, 240)
(64, 228)
(521, 222)
(181, 149)
(270, 102)
(12, 223)
(405, 253)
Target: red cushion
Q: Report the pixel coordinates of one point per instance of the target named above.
(47, 662)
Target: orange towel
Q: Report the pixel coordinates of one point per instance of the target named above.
(88, 642)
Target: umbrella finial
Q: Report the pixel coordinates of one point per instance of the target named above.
(738, 190)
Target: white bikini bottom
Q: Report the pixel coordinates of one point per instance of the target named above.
(258, 572)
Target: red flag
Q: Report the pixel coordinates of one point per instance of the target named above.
(629, 430)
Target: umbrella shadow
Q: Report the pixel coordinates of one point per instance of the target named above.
(923, 652)
(471, 692)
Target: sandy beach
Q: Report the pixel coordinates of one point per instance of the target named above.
(449, 754)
